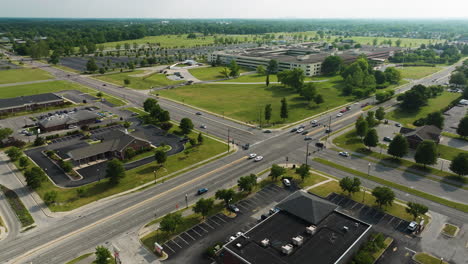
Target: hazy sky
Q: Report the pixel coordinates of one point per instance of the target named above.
(235, 8)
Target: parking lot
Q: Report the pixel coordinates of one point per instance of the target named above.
(453, 117)
(189, 246)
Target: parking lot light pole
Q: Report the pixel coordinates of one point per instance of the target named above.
(363, 194)
(186, 200)
(307, 154)
(228, 140)
(154, 171)
(368, 169)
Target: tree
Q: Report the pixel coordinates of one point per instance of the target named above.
(462, 128)
(272, 67)
(318, 99)
(416, 209)
(102, 70)
(23, 162)
(55, 57)
(226, 195)
(149, 104)
(224, 72)
(383, 196)
(115, 171)
(435, 119)
(39, 141)
(426, 153)
(380, 77)
(5, 133)
(268, 112)
(293, 78)
(380, 113)
(166, 126)
(186, 125)
(398, 42)
(203, 206)
(247, 183)
(361, 127)
(160, 156)
(50, 197)
(392, 75)
(14, 153)
(303, 171)
(458, 78)
(100, 95)
(350, 185)
(370, 118)
(34, 177)
(91, 65)
(267, 80)
(200, 138)
(332, 65)
(398, 147)
(103, 255)
(371, 139)
(309, 91)
(261, 70)
(170, 222)
(284, 109)
(126, 81)
(276, 171)
(234, 69)
(164, 116)
(459, 164)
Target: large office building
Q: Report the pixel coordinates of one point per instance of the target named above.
(30, 102)
(305, 229)
(309, 58)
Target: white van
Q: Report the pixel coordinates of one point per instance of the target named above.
(286, 182)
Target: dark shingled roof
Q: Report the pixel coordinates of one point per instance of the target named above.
(424, 133)
(307, 207)
(29, 100)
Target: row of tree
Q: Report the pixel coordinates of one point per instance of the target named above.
(418, 96)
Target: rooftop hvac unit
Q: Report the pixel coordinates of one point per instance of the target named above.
(298, 240)
(287, 249)
(238, 245)
(345, 228)
(265, 242)
(311, 230)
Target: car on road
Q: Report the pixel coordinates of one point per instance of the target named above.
(198, 113)
(267, 131)
(344, 153)
(313, 122)
(397, 124)
(293, 130)
(308, 138)
(315, 125)
(301, 126)
(387, 139)
(202, 191)
(305, 132)
(412, 226)
(286, 182)
(246, 146)
(328, 130)
(319, 145)
(364, 105)
(233, 208)
(203, 126)
(252, 155)
(339, 114)
(300, 130)
(104, 84)
(258, 158)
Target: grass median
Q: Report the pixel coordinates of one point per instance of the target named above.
(149, 81)
(18, 207)
(425, 258)
(458, 206)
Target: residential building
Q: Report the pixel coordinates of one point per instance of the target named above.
(418, 135)
(305, 229)
(29, 103)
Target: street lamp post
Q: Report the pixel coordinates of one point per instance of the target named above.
(368, 169)
(154, 171)
(363, 194)
(99, 176)
(307, 154)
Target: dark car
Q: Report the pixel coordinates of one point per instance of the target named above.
(202, 191)
(233, 208)
(198, 113)
(364, 105)
(319, 145)
(246, 146)
(267, 131)
(308, 138)
(328, 130)
(305, 132)
(387, 139)
(315, 125)
(293, 130)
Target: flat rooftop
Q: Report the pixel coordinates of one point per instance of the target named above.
(22, 101)
(330, 241)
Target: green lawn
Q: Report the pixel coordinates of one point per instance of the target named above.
(418, 72)
(425, 258)
(407, 118)
(245, 101)
(171, 41)
(255, 77)
(405, 42)
(449, 153)
(136, 110)
(210, 73)
(68, 199)
(140, 83)
(80, 258)
(450, 230)
(23, 75)
(17, 206)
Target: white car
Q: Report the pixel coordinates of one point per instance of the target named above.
(339, 114)
(258, 158)
(412, 226)
(286, 182)
(252, 155)
(203, 126)
(344, 154)
(300, 130)
(313, 122)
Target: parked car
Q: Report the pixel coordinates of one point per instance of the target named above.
(397, 124)
(252, 155)
(202, 191)
(344, 153)
(412, 226)
(273, 210)
(387, 139)
(267, 131)
(286, 182)
(258, 158)
(233, 208)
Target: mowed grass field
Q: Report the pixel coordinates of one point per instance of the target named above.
(434, 104)
(170, 41)
(210, 73)
(23, 75)
(52, 87)
(405, 42)
(139, 83)
(245, 101)
(418, 72)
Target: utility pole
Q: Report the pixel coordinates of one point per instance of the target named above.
(307, 154)
(186, 200)
(228, 139)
